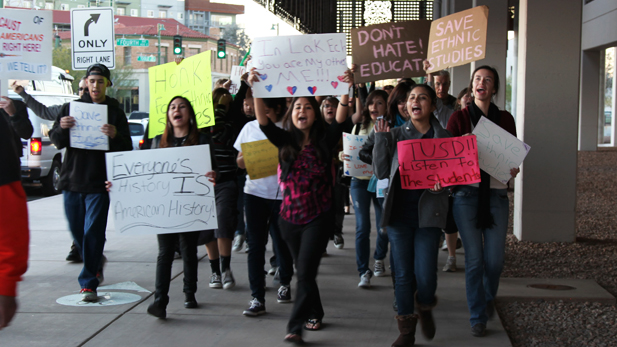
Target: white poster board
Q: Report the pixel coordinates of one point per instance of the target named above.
(26, 38)
(89, 118)
(161, 191)
(236, 76)
(498, 150)
(352, 144)
(301, 65)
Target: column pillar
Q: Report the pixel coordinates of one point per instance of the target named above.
(590, 101)
(547, 105)
(460, 74)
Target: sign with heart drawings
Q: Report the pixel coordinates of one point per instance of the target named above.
(301, 65)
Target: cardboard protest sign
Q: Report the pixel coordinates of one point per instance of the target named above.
(352, 144)
(451, 161)
(161, 191)
(390, 50)
(458, 39)
(301, 65)
(191, 79)
(236, 76)
(26, 37)
(261, 158)
(89, 118)
(498, 150)
(382, 185)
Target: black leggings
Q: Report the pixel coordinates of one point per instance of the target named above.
(167, 248)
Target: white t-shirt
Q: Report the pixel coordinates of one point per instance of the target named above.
(267, 187)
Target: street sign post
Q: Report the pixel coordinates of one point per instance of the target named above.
(150, 59)
(92, 37)
(133, 42)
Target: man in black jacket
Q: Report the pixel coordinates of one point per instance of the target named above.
(83, 176)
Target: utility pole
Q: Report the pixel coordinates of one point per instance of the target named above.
(159, 27)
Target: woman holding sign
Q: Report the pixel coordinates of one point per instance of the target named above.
(305, 151)
(180, 130)
(414, 218)
(481, 210)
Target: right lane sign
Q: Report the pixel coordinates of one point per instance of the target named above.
(92, 37)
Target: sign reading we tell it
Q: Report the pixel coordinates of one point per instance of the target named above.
(92, 37)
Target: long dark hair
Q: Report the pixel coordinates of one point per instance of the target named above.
(168, 135)
(429, 90)
(370, 99)
(290, 152)
(460, 96)
(398, 94)
(279, 105)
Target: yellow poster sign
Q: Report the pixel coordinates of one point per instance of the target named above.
(261, 158)
(191, 79)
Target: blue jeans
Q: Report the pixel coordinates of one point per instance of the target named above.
(87, 218)
(484, 249)
(362, 209)
(381, 244)
(262, 215)
(414, 251)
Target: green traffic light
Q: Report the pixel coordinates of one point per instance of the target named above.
(221, 54)
(177, 50)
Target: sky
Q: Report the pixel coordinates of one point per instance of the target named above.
(257, 21)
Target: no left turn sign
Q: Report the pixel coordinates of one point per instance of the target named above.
(92, 37)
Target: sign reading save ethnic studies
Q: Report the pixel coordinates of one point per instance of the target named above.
(161, 191)
(458, 39)
(451, 161)
(301, 65)
(390, 50)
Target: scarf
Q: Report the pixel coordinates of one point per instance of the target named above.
(399, 120)
(484, 217)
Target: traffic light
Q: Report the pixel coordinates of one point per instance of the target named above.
(220, 49)
(177, 44)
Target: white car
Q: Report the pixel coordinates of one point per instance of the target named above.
(137, 129)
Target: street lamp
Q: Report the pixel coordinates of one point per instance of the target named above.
(277, 28)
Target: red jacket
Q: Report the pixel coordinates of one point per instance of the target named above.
(14, 237)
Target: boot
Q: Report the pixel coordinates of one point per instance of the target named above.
(407, 328)
(425, 312)
(158, 309)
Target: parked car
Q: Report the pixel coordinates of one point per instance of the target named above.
(138, 115)
(41, 160)
(137, 130)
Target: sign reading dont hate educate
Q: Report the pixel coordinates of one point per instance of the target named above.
(449, 161)
(301, 65)
(390, 50)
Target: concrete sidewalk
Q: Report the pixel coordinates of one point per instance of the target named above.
(354, 317)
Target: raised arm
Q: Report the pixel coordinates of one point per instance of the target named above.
(260, 107)
(342, 110)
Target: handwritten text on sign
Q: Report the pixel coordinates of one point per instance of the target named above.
(190, 79)
(26, 40)
(352, 144)
(89, 118)
(261, 158)
(458, 39)
(161, 191)
(498, 150)
(390, 50)
(302, 65)
(236, 78)
(450, 161)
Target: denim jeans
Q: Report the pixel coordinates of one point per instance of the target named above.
(167, 248)
(86, 214)
(262, 216)
(381, 244)
(362, 209)
(414, 251)
(484, 249)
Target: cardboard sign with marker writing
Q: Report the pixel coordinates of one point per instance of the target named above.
(89, 118)
(458, 39)
(261, 158)
(301, 65)
(390, 50)
(352, 144)
(451, 161)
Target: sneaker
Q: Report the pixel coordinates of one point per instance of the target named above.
(450, 265)
(444, 247)
(365, 279)
(88, 295)
(255, 309)
(238, 243)
(74, 255)
(273, 270)
(228, 280)
(380, 269)
(284, 294)
(339, 242)
(246, 250)
(99, 274)
(215, 281)
(478, 330)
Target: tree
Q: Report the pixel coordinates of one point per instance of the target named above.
(237, 36)
(62, 58)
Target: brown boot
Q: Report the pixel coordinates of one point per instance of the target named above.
(407, 328)
(425, 313)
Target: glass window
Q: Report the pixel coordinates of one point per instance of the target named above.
(220, 20)
(150, 13)
(64, 7)
(49, 5)
(193, 51)
(127, 55)
(163, 55)
(162, 14)
(134, 12)
(180, 15)
(120, 11)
